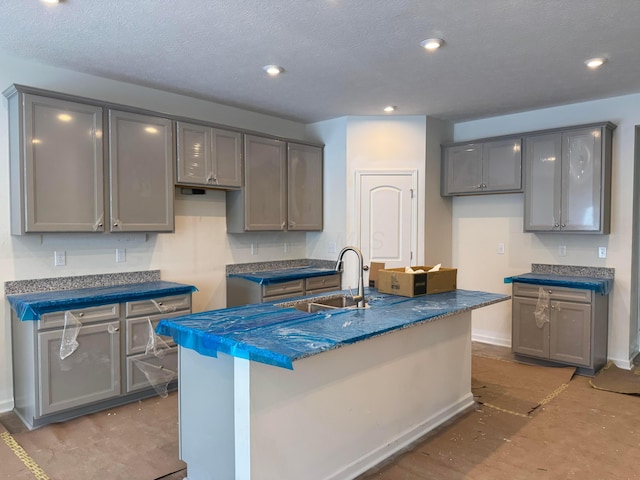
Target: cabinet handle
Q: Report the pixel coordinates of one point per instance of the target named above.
(484, 185)
(549, 292)
(479, 186)
(563, 225)
(81, 314)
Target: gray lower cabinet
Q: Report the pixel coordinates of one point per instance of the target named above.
(568, 180)
(242, 292)
(482, 167)
(282, 188)
(101, 372)
(60, 180)
(208, 157)
(561, 325)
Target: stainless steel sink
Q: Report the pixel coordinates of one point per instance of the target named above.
(312, 305)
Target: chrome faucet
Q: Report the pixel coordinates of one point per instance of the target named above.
(360, 297)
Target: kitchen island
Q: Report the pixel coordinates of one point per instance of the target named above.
(270, 392)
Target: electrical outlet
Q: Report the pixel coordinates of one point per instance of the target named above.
(59, 258)
(602, 252)
(562, 250)
(121, 255)
(254, 249)
(501, 248)
(331, 247)
(286, 247)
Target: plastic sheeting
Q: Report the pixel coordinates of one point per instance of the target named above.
(601, 285)
(30, 306)
(69, 342)
(285, 275)
(279, 336)
(157, 375)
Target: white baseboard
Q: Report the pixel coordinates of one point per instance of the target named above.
(491, 338)
(6, 405)
(620, 363)
(405, 439)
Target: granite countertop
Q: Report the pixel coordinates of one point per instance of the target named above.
(283, 275)
(279, 336)
(601, 285)
(29, 306)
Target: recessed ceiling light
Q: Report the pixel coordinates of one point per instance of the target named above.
(595, 62)
(390, 108)
(273, 70)
(50, 1)
(432, 43)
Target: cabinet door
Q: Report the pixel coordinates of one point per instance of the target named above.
(527, 337)
(463, 169)
(89, 374)
(502, 166)
(63, 170)
(141, 181)
(543, 182)
(226, 158)
(304, 193)
(265, 184)
(194, 154)
(581, 179)
(570, 333)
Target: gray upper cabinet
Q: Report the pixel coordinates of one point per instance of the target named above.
(304, 180)
(141, 172)
(568, 180)
(56, 165)
(482, 167)
(61, 180)
(282, 188)
(208, 157)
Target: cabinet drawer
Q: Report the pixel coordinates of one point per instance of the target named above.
(284, 288)
(168, 365)
(555, 293)
(322, 283)
(158, 305)
(138, 331)
(84, 315)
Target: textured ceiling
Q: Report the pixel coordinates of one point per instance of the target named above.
(342, 57)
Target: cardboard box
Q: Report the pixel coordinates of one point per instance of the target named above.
(374, 268)
(397, 282)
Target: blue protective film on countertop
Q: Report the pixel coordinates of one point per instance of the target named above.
(279, 336)
(601, 285)
(29, 306)
(285, 275)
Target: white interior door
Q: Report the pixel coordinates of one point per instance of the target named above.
(386, 207)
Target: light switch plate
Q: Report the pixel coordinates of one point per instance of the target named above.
(602, 252)
(562, 250)
(500, 248)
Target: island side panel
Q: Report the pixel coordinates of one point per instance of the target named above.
(206, 403)
(341, 412)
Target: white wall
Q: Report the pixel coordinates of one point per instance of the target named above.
(364, 143)
(481, 222)
(198, 250)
